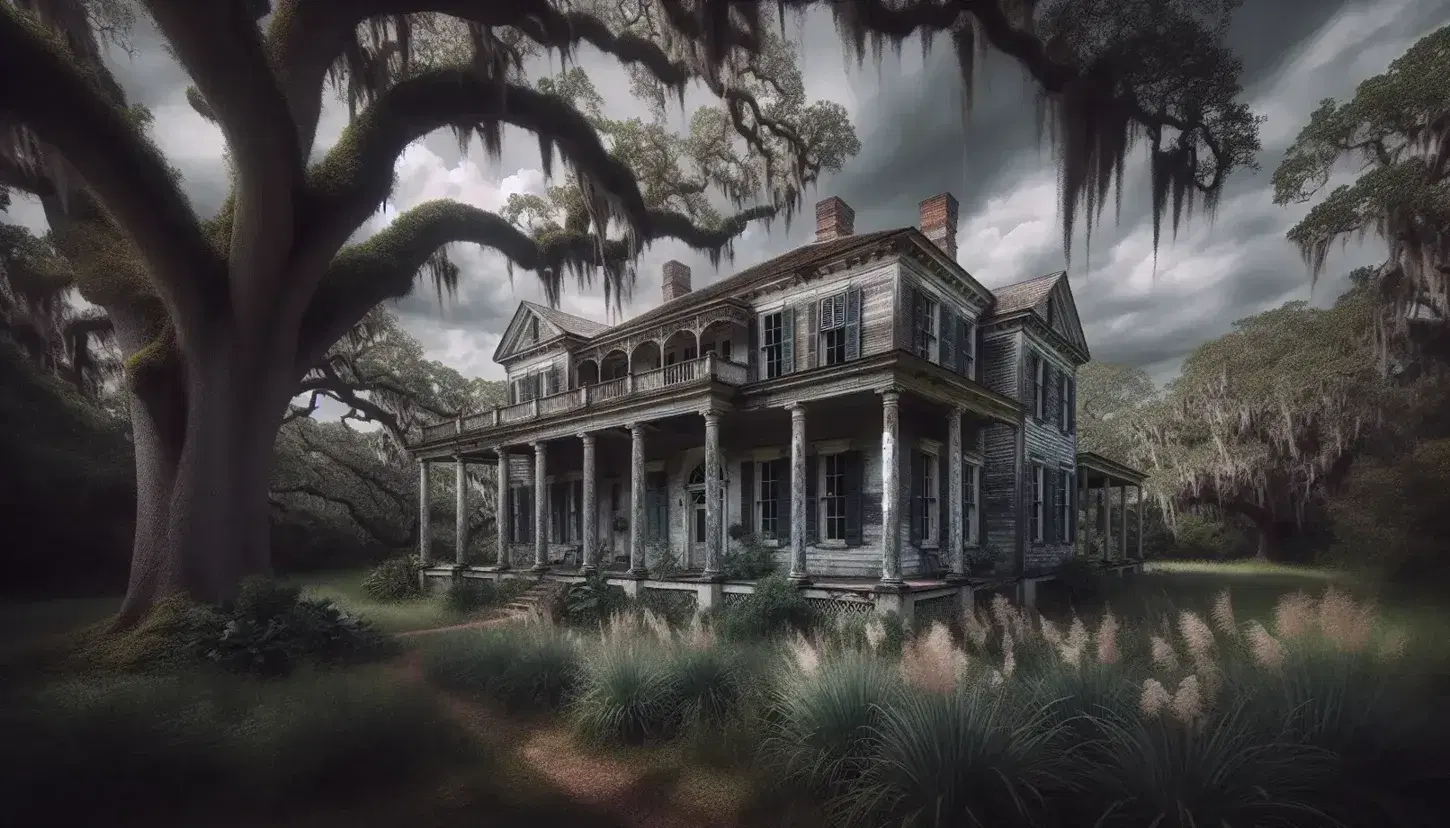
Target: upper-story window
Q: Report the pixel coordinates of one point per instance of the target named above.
(772, 344)
(1064, 401)
(969, 348)
(833, 329)
(927, 315)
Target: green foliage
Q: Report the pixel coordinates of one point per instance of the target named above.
(1110, 398)
(625, 694)
(395, 579)
(750, 560)
(775, 608)
(1199, 537)
(1393, 514)
(593, 601)
(467, 595)
(532, 668)
(118, 750)
(271, 629)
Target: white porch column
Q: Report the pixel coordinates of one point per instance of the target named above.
(713, 518)
(541, 508)
(1140, 522)
(637, 566)
(460, 510)
(591, 508)
(1107, 519)
(956, 525)
(1123, 538)
(890, 488)
(798, 493)
(425, 524)
(501, 504)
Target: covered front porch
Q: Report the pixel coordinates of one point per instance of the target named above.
(1098, 477)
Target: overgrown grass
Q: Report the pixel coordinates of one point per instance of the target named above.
(119, 748)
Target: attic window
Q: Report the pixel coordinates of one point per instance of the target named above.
(532, 335)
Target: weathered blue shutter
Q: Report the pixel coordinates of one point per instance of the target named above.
(978, 348)
(910, 461)
(812, 514)
(853, 324)
(752, 349)
(814, 320)
(854, 483)
(747, 497)
(906, 322)
(946, 337)
(506, 533)
(1072, 512)
(1032, 360)
(1072, 405)
(964, 345)
(1049, 506)
(787, 340)
(781, 470)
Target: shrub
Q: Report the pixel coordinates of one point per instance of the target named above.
(529, 667)
(776, 607)
(466, 595)
(625, 694)
(394, 579)
(750, 561)
(822, 721)
(708, 683)
(116, 750)
(969, 756)
(270, 629)
(592, 601)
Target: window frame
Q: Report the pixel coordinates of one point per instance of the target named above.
(1069, 488)
(1039, 502)
(969, 356)
(927, 471)
(772, 355)
(826, 502)
(971, 506)
(762, 469)
(928, 313)
(1064, 402)
(831, 328)
(1039, 386)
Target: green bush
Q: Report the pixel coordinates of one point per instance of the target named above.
(625, 694)
(522, 668)
(776, 607)
(116, 750)
(465, 595)
(750, 561)
(591, 602)
(395, 579)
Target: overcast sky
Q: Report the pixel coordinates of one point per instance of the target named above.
(914, 145)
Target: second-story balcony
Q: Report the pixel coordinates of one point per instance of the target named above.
(709, 368)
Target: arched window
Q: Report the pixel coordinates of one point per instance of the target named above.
(697, 477)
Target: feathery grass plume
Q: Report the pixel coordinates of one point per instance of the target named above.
(1009, 656)
(1223, 614)
(1050, 633)
(619, 627)
(1108, 639)
(875, 634)
(657, 626)
(699, 636)
(1163, 653)
(932, 663)
(977, 629)
(1187, 706)
(1295, 615)
(1393, 645)
(1346, 623)
(1076, 642)
(1197, 636)
(1265, 648)
(1154, 699)
(1002, 613)
(804, 655)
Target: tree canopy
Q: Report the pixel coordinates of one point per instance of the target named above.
(1397, 129)
(1110, 398)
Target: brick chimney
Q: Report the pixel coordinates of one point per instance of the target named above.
(939, 222)
(834, 219)
(676, 280)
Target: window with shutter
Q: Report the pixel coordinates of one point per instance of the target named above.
(1039, 495)
(834, 331)
(813, 521)
(925, 476)
(1039, 384)
(1065, 504)
(906, 318)
(927, 321)
(853, 483)
(1064, 401)
(787, 340)
(833, 496)
(767, 497)
(971, 475)
(772, 345)
(947, 356)
(853, 324)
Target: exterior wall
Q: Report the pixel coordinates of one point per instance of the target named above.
(554, 356)
(877, 285)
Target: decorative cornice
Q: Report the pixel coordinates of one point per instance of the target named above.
(977, 296)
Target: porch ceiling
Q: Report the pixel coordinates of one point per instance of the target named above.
(1096, 470)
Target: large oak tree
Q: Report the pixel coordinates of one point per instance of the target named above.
(219, 319)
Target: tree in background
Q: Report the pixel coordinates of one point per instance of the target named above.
(1268, 418)
(1109, 399)
(219, 319)
(1397, 128)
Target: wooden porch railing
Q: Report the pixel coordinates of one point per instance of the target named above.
(695, 370)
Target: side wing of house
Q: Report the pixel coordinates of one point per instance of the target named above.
(535, 353)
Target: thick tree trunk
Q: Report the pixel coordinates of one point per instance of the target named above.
(202, 486)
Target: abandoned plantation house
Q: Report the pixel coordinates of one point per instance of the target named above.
(861, 406)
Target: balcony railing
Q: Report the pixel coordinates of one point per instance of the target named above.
(695, 370)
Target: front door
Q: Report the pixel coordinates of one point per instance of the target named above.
(697, 527)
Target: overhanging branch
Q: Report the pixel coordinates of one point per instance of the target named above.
(48, 92)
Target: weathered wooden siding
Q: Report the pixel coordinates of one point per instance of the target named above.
(874, 281)
(1002, 363)
(1049, 445)
(554, 356)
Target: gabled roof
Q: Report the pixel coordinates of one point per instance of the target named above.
(567, 322)
(1025, 295)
